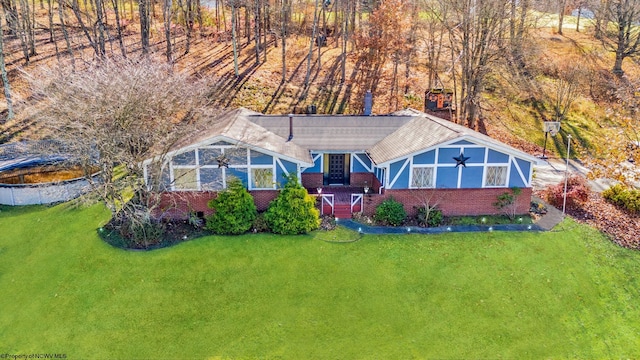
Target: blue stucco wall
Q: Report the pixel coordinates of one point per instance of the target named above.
(472, 177)
(317, 165)
(446, 155)
(514, 179)
(497, 157)
(258, 158)
(403, 179)
(446, 177)
(357, 166)
(426, 158)
(525, 166)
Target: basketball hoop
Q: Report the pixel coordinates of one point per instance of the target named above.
(550, 127)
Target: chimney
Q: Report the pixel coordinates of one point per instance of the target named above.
(290, 127)
(368, 103)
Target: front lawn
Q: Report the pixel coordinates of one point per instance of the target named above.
(570, 293)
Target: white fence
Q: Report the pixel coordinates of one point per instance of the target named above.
(45, 193)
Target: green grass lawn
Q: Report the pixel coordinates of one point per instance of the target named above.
(569, 293)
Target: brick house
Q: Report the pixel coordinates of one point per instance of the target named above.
(350, 162)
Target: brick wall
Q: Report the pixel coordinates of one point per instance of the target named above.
(452, 202)
(359, 179)
(177, 205)
(312, 180)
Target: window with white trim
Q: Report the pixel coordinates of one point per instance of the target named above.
(262, 178)
(496, 176)
(422, 177)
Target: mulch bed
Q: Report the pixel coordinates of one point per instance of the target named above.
(622, 227)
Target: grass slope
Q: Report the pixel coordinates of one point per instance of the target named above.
(495, 295)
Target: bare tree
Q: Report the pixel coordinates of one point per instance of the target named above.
(476, 29)
(115, 114)
(5, 78)
(622, 36)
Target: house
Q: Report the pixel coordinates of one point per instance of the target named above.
(350, 162)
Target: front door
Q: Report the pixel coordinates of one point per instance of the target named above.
(336, 168)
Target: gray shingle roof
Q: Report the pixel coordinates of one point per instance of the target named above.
(333, 133)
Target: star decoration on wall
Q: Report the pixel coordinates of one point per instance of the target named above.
(461, 160)
(222, 161)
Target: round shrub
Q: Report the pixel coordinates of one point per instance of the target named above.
(577, 193)
(390, 212)
(293, 211)
(234, 210)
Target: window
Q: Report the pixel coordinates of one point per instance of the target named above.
(262, 178)
(211, 179)
(184, 179)
(422, 177)
(496, 176)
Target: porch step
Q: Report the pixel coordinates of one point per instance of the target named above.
(341, 211)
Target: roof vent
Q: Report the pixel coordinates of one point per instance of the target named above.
(368, 103)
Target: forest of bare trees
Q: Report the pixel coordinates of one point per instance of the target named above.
(459, 42)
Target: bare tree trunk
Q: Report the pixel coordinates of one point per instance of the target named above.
(166, 14)
(144, 25)
(100, 27)
(256, 25)
(562, 4)
(234, 39)
(76, 11)
(11, 15)
(284, 34)
(119, 28)
(50, 18)
(61, 6)
(313, 37)
(5, 78)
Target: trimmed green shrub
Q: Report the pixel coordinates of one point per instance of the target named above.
(507, 202)
(429, 217)
(234, 209)
(293, 211)
(390, 212)
(626, 198)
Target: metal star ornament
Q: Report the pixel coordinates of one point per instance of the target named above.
(223, 161)
(461, 160)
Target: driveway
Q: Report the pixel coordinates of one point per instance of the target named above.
(552, 173)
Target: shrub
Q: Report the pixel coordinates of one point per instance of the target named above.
(626, 198)
(577, 193)
(429, 217)
(390, 212)
(507, 202)
(293, 211)
(234, 209)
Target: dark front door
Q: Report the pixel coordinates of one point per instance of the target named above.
(336, 168)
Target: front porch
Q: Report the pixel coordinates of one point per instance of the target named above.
(339, 201)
